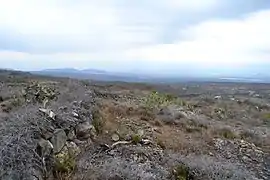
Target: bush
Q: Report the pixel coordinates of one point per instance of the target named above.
(136, 138)
(65, 163)
(156, 99)
(181, 172)
(39, 93)
(266, 119)
(7, 106)
(98, 121)
(227, 133)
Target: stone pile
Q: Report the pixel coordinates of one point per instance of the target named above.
(58, 146)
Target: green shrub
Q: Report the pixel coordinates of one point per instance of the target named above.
(136, 138)
(98, 121)
(156, 99)
(266, 116)
(65, 162)
(181, 172)
(36, 92)
(266, 119)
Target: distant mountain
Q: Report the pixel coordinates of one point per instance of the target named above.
(102, 75)
(92, 74)
(93, 71)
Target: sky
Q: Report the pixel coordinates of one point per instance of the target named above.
(142, 36)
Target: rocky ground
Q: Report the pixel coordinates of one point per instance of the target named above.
(57, 128)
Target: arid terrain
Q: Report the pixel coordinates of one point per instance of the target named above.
(61, 128)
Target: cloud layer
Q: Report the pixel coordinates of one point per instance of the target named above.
(133, 35)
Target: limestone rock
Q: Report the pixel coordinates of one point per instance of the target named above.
(48, 112)
(74, 114)
(58, 140)
(115, 137)
(85, 130)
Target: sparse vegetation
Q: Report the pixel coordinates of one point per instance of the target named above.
(36, 92)
(227, 133)
(98, 121)
(140, 133)
(156, 100)
(64, 165)
(266, 119)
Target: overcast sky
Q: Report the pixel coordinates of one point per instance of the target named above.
(135, 35)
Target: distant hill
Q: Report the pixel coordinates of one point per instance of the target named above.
(102, 75)
(92, 74)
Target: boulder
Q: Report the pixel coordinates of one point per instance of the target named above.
(47, 133)
(85, 130)
(58, 140)
(45, 148)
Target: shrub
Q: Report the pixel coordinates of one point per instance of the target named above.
(156, 99)
(267, 116)
(65, 163)
(98, 121)
(191, 129)
(181, 172)
(227, 133)
(136, 138)
(198, 124)
(266, 119)
(39, 93)
(7, 106)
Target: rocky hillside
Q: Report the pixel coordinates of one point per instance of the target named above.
(57, 128)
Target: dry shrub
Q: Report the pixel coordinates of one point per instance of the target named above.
(172, 139)
(225, 133)
(19, 134)
(197, 167)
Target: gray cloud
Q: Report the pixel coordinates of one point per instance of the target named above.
(120, 31)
